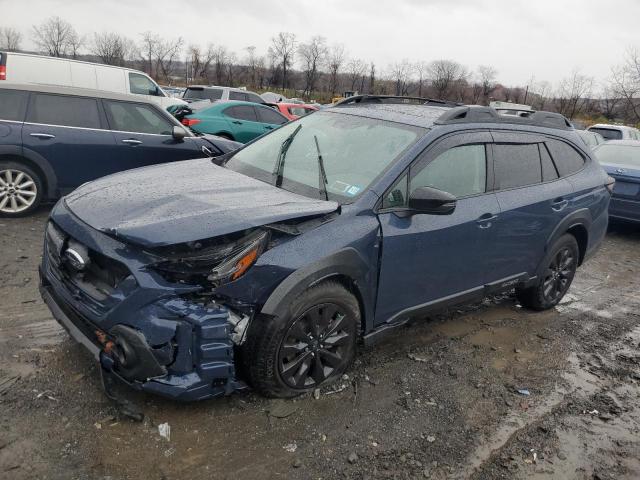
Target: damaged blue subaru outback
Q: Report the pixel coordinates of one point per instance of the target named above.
(269, 265)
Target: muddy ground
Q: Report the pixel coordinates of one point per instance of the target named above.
(437, 399)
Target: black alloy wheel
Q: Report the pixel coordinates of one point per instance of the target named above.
(559, 275)
(316, 346)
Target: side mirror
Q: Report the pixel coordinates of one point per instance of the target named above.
(178, 133)
(432, 201)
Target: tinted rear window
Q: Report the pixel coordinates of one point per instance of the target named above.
(64, 110)
(242, 112)
(608, 133)
(566, 158)
(268, 115)
(12, 104)
(516, 165)
(203, 93)
(237, 96)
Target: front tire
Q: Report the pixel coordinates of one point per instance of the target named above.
(21, 189)
(308, 347)
(560, 266)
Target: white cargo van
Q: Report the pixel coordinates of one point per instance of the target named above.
(24, 68)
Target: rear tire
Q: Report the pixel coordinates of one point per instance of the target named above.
(308, 347)
(559, 268)
(21, 189)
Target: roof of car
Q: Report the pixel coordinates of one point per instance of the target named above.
(80, 92)
(416, 115)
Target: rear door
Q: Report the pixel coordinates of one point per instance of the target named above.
(533, 199)
(70, 133)
(244, 122)
(143, 136)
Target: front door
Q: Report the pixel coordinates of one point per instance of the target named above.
(426, 258)
(244, 123)
(143, 136)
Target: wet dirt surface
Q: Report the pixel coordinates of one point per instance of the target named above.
(436, 399)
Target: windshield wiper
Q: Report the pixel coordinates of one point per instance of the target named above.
(322, 175)
(279, 167)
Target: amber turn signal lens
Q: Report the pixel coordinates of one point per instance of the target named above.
(244, 263)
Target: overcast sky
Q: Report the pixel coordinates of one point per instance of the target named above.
(544, 39)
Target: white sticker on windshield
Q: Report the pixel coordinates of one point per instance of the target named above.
(353, 190)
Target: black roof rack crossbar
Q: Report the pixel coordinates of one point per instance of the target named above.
(479, 114)
(395, 99)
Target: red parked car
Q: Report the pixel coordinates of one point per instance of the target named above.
(294, 111)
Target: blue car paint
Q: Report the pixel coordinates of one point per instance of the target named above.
(372, 251)
(625, 202)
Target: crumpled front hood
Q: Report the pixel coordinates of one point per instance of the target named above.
(185, 201)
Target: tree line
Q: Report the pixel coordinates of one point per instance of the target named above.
(314, 69)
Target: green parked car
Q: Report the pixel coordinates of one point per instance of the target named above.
(239, 121)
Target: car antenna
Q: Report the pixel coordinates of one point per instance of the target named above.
(322, 175)
(279, 167)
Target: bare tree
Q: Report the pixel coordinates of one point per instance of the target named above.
(55, 37)
(445, 75)
(626, 83)
(336, 60)
(355, 69)
(313, 56)
(148, 48)
(167, 53)
(572, 94)
(10, 39)
(400, 74)
(220, 60)
(372, 78)
(111, 48)
(421, 69)
(283, 47)
(252, 63)
(487, 77)
(610, 101)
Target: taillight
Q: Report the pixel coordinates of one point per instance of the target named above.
(3, 72)
(610, 183)
(190, 122)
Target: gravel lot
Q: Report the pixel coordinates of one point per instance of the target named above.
(437, 399)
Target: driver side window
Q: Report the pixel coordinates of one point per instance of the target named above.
(460, 171)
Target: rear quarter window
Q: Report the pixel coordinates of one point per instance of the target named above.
(13, 104)
(566, 158)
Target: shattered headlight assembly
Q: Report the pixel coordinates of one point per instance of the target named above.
(218, 264)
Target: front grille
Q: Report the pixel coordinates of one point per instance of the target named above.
(98, 286)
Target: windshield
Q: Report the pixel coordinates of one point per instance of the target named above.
(355, 151)
(608, 133)
(626, 155)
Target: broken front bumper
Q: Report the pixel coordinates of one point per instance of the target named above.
(145, 332)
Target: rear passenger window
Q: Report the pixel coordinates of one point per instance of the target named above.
(566, 158)
(461, 171)
(516, 165)
(12, 104)
(549, 171)
(64, 110)
(242, 112)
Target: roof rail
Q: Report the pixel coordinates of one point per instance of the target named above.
(395, 99)
(479, 114)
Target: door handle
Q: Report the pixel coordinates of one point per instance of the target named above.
(44, 136)
(206, 151)
(268, 127)
(131, 141)
(485, 220)
(559, 204)
(237, 122)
